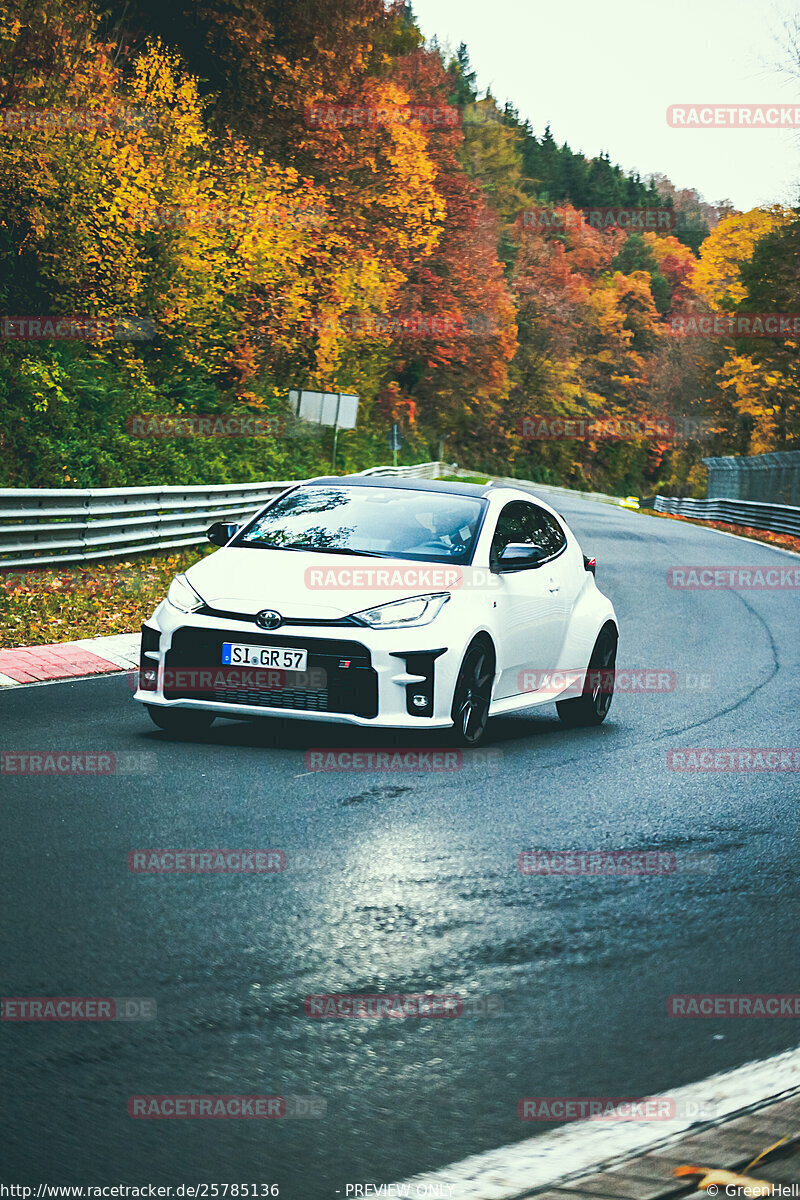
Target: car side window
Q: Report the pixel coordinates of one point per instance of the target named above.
(523, 522)
(511, 527)
(544, 530)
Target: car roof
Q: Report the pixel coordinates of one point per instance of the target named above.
(495, 490)
(417, 485)
(495, 493)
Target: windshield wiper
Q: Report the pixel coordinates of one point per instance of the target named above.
(267, 545)
(316, 549)
(339, 550)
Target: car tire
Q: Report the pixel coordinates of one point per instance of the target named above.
(591, 707)
(181, 722)
(472, 694)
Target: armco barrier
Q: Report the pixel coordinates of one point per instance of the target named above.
(46, 526)
(43, 526)
(530, 485)
(778, 518)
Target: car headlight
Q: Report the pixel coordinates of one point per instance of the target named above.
(419, 610)
(182, 595)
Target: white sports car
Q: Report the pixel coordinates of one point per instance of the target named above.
(397, 603)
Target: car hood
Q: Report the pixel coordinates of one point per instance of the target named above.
(303, 584)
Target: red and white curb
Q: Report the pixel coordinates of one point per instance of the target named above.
(584, 1147)
(68, 660)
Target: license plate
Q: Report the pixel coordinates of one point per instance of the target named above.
(238, 654)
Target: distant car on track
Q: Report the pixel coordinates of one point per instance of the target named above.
(391, 603)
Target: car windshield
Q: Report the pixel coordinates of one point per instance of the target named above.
(385, 522)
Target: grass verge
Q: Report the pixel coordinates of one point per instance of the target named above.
(464, 478)
(785, 540)
(86, 600)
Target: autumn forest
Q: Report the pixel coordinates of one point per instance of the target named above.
(223, 200)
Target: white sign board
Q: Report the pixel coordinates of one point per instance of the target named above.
(348, 410)
(325, 408)
(330, 407)
(310, 407)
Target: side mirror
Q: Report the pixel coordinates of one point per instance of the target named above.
(521, 554)
(221, 532)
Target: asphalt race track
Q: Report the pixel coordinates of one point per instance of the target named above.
(404, 882)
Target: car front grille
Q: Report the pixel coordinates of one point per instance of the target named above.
(311, 699)
(349, 684)
(224, 614)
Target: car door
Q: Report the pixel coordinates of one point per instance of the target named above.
(532, 601)
(568, 576)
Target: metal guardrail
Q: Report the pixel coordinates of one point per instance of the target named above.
(778, 518)
(529, 485)
(431, 470)
(43, 526)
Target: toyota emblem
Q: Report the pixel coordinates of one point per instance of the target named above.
(269, 619)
